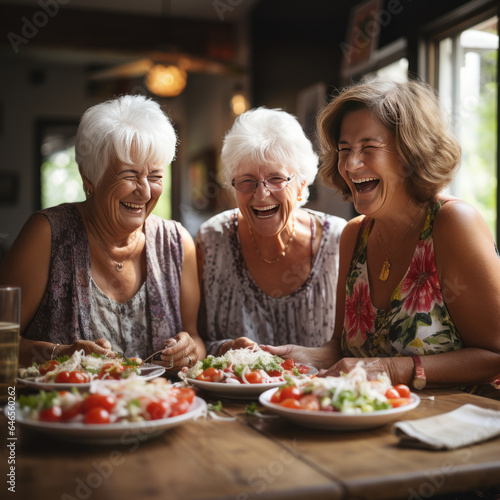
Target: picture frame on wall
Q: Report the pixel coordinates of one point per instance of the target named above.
(362, 37)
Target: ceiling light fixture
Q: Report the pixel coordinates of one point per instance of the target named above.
(166, 81)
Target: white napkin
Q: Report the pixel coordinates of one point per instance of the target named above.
(464, 426)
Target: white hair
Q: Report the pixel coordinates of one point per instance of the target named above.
(270, 136)
(130, 129)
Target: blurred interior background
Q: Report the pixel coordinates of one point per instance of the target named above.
(215, 59)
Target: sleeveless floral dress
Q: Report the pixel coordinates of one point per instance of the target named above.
(417, 322)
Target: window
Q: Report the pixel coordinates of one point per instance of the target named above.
(465, 76)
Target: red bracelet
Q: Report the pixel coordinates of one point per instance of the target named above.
(419, 378)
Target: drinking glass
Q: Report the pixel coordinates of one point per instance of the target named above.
(10, 309)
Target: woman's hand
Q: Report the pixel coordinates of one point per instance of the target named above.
(298, 353)
(180, 350)
(373, 367)
(99, 346)
(239, 343)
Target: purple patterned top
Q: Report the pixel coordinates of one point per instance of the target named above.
(64, 314)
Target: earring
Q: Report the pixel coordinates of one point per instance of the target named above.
(89, 193)
(299, 198)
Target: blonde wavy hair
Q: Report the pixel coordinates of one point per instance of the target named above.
(411, 111)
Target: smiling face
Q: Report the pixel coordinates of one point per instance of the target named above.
(370, 164)
(127, 194)
(267, 212)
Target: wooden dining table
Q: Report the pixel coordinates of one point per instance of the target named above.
(241, 457)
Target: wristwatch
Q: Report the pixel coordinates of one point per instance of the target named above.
(419, 379)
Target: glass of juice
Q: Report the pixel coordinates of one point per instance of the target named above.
(10, 309)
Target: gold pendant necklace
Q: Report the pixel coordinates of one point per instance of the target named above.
(283, 253)
(386, 266)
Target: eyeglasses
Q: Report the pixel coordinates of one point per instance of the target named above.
(274, 183)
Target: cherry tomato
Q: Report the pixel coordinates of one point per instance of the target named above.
(180, 407)
(288, 364)
(309, 402)
(399, 402)
(211, 375)
(290, 392)
(276, 397)
(111, 371)
(303, 369)
(78, 377)
(392, 393)
(107, 402)
(291, 403)
(275, 373)
(97, 415)
(48, 366)
(158, 409)
(403, 390)
(72, 411)
(51, 414)
(183, 393)
(62, 377)
(254, 377)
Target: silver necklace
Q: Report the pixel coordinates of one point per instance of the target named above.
(119, 265)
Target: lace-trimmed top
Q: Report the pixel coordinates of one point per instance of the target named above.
(233, 305)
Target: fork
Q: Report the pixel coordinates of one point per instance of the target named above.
(171, 364)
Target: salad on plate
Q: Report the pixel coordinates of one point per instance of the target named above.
(250, 365)
(351, 393)
(81, 369)
(125, 401)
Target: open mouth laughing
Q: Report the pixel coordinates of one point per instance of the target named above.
(133, 207)
(365, 184)
(266, 211)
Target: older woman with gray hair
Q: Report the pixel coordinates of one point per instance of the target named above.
(268, 269)
(106, 275)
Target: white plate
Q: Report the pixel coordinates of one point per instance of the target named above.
(336, 420)
(125, 433)
(149, 371)
(238, 391)
(233, 391)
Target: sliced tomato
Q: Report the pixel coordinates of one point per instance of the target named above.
(290, 392)
(392, 393)
(111, 371)
(48, 366)
(254, 377)
(276, 397)
(303, 369)
(180, 407)
(105, 401)
(62, 377)
(72, 411)
(183, 393)
(395, 403)
(158, 409)
(79, 377)
(97, 415)
(403, 390)
(288, 364)
(211, 375)
(51, 414)
(309, 402)
(275, 373)
(291, 403)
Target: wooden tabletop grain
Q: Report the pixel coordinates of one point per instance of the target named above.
(247, 457)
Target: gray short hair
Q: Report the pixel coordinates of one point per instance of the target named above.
(129, 129)
(270, 136)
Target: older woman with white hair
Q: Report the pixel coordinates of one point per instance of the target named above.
(106, 275)
(268, 269)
